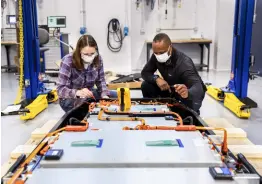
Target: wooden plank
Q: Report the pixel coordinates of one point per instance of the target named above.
(232, 132)
(259, 171)
(9, 43)
(33, 141)
(218, 122)
(249, 151)
(130, 85)
(231, 141)
(187, 41)
(29, 146)
(49, 125)
(6, 166)
(256, 163)
(39, 133)
(22, 149)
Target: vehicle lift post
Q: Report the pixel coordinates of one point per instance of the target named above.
(36, 99)
(234, 95)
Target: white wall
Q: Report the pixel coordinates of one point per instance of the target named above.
(200, 13)
(133, 54)
(214, 19)
(224, 34)
(99, 13)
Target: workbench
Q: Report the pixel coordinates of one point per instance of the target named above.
(201, 42)
(7, 46)
(123, 156)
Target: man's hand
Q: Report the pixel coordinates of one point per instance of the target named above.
(162, 84)
(182, 90)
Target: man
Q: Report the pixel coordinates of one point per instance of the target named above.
(180, 77)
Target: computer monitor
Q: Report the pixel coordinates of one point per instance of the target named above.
(56, 21)
(10, 19)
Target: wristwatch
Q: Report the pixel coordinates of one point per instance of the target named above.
(155, 77)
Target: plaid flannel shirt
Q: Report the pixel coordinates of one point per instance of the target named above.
(70, 79)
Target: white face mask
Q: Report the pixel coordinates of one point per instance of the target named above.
(88, 59)
(162, 58)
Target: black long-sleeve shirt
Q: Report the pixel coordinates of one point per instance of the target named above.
(179, 69)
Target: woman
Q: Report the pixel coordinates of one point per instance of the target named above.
(80, 71)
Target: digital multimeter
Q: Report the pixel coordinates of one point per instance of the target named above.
(221, 173)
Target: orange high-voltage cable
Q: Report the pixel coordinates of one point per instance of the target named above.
(158, 112)
(101, 118)
(38, 149)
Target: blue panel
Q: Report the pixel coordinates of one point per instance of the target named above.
(31, 48)
(240, 47)
(247, 48)
(61, 46)
(180, 143)
(100, 143)
(238, 84)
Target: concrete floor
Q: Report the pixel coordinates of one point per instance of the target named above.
(15, 132)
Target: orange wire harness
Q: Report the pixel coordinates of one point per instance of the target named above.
(46, 148)
(41, 150)
(106, 111)
(101, 118)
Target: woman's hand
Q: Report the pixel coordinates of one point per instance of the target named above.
(88, 93)
(80, 93)
(84, 93)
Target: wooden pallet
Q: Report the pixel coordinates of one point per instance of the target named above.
(238, 142)
(36, 138)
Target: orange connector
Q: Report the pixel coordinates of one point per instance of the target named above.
(46, 148)
(71, 128)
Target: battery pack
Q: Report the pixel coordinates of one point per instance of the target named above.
(220, 173)
(54, 154)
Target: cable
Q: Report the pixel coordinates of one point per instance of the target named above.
(3, 4)
(115, 29)
(190, 119)
(152, 4)
(166, 10)
(56, 35)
